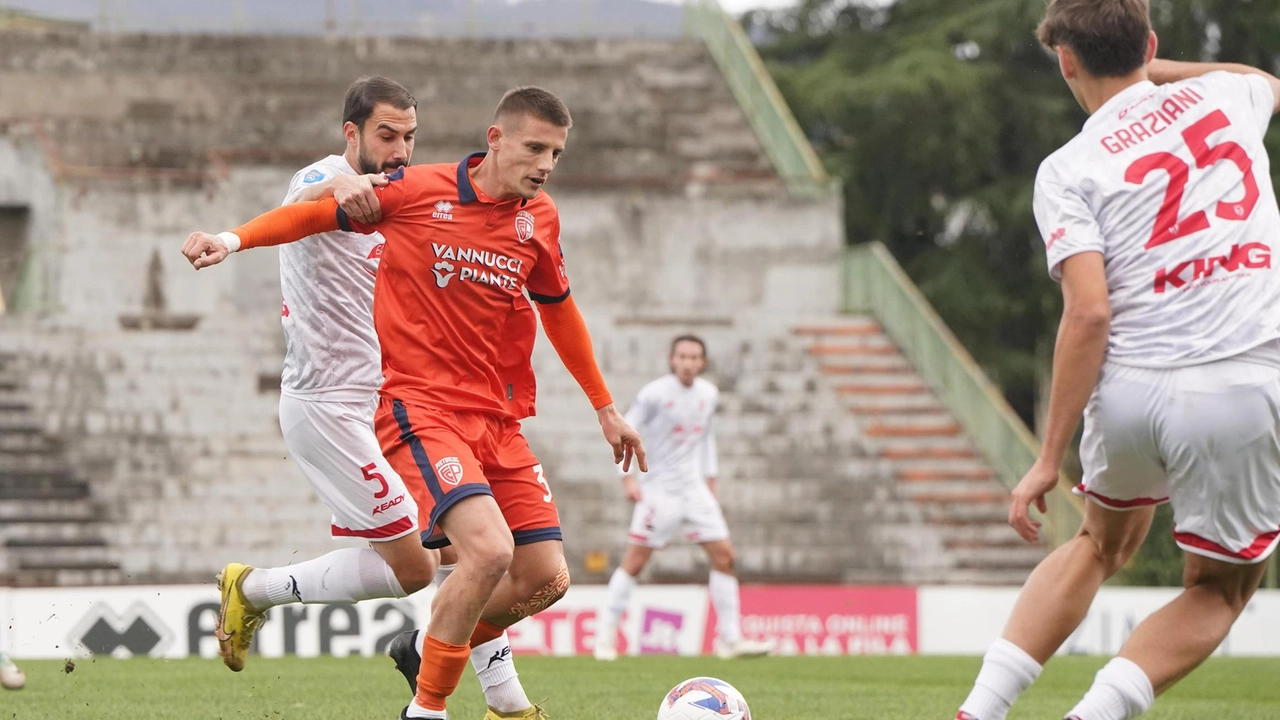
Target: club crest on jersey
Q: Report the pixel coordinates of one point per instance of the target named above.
(312, 177)
(524, 226)
(376, 252)
(444, 210)
(449, 470)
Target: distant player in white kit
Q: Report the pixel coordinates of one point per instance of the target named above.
(675, 415)
(1160, 222)
(332, 373)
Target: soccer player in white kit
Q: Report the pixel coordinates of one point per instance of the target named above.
(1159, 220)
(675, 415)
(329, 385)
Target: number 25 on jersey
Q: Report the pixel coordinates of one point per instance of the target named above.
(1169, 226)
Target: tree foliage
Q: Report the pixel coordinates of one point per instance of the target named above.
(936, 115)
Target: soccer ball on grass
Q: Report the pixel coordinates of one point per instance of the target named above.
(704, 698)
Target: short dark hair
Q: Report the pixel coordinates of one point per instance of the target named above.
(1109, 36)
(688, 338)
(534, 102)
(367, 92)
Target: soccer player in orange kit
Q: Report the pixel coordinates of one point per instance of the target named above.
(464, 243)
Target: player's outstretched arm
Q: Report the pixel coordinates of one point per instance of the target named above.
(1077, 363)
(355, 195)
(568, 334)
(1162, 72)
(286, 224)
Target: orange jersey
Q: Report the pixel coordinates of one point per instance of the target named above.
(449, 306)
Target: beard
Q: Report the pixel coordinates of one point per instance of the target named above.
(369, 167)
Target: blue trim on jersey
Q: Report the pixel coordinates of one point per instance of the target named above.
(434, 542)
(397, 175)
(528, 537)
(419, 452)
(548, 299)
(344, 222)
(432, 538)
(452, 497)
(467, 193)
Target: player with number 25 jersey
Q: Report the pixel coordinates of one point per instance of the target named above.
(1159, 220)
(1172, 185)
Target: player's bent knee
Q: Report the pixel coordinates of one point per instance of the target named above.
(494, 557)
(546, 595)
(724, 562)
(489, 555)
(1113, 552)
(1235, 584)
(414, 576)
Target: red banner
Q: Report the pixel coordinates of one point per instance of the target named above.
(827, 620)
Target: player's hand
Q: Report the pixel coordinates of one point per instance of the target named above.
(204, 250)
(357, 198)
(1038, 482)
(623, 438)
(631, 488)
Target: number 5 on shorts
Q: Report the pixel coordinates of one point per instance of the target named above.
(542, 480)
(371, 476)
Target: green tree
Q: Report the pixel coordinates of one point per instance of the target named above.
(936, 114)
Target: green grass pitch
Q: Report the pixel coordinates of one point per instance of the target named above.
(910, 688)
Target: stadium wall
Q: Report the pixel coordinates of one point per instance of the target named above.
(177, 621)
(174, 427)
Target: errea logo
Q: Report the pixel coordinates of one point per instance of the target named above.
(444, 210)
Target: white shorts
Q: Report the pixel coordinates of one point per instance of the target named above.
(334, 444)
(1206, 438)
(660, 515)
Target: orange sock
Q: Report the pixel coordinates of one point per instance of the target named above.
(441, 669)
(485, 631)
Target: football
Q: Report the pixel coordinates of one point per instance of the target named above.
(11, 676)
(704, 698)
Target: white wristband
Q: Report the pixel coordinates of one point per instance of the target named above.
(232, 240)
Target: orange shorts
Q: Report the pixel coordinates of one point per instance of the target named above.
(445, 456)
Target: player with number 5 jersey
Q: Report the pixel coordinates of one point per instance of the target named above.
(1159, 220)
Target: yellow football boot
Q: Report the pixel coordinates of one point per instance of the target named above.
(237, 620)
(533, 713)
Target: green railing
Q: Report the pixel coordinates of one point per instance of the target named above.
(875, 283)
(784, 142)
(25, 296)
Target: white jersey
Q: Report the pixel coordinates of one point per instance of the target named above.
(331, 349)
(1172, 185)
(676, 424)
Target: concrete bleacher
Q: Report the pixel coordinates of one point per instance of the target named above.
(150, 452)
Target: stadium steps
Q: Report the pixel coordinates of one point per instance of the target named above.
(937, 472)
(51, 529)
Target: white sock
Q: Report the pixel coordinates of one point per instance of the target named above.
(1007, 670)
(724, 598)
(443, 572)
(620, 586)
(347, 575)
(1121, 690)
(494, 668)
(417, 711)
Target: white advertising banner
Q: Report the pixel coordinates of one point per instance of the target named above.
(178, 621)
(965, 620)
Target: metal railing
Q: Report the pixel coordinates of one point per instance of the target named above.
(26, 294)
(875, 283)
(770, 116)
